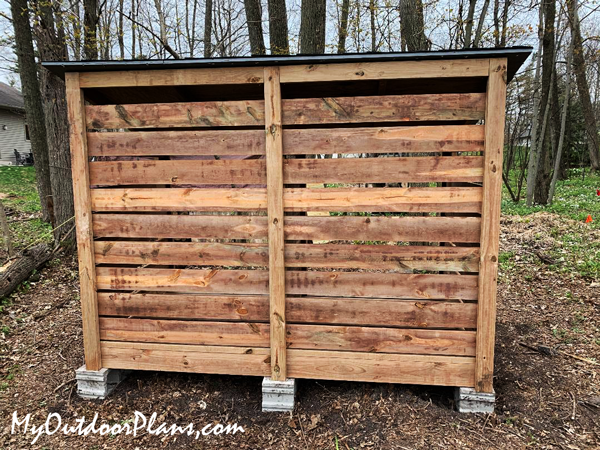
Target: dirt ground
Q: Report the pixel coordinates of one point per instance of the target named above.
(546, 380)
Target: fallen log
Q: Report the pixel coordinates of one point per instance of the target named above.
(18, 270)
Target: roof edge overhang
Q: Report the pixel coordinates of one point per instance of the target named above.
(516, 56)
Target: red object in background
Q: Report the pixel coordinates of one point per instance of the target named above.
(589, 219)
(598, 192)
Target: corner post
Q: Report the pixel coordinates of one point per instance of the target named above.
(490, 225)
(83, 221)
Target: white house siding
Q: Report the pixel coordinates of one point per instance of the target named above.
(13, 137)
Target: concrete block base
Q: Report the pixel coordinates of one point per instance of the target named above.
(469, 401)
(278, 396)
(98, 384)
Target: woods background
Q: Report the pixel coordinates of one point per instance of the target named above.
(552, 106)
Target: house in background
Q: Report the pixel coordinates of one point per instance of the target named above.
(14, 134)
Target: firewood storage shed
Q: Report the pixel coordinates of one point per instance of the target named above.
(326, 217)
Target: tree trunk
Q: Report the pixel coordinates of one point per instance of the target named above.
(582, 85)
(90, 25)
(479, 30)
(278, 28)
(255, 31)
(208, 29)
(52, 48)
(469, 23)
(372, 11)
(312, 27)
(412, 26)
(343, 28)
(33, 103)
(20, 269)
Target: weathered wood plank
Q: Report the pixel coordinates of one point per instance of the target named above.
(178, 143)
(490, 229)
(344, 284)
(449, 138)
(390, 257)
(416, 199)
(274, 163)
(186, 358)
(315, 337)
(318, 364)
(172, 77)
(83, 221)
(417, 229)
(391, 108)
(381, 368)
(384, 70)
(341, 311)
(295, 171)
(167, 115)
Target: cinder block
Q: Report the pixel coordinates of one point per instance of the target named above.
(278, 396)
(98, 384)
(469, 401)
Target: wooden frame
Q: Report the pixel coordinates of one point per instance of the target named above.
(264, 315)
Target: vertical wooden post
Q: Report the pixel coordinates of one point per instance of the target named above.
(490, 225)
(274, 150)
(83, 222)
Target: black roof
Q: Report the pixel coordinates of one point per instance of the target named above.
(11, 98)
(516, 57)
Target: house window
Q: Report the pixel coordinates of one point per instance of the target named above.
(27, 132)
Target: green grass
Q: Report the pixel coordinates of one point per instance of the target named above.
(575, 198)
(19, 184)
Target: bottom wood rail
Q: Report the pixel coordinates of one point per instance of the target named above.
(315, 364)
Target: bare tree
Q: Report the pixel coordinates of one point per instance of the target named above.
(33, 103)
(343, 27)
(208, 12)
(255, 31)
(582, 85)
(312, 27)
(278, 28)
(413, 26)
(90, 26)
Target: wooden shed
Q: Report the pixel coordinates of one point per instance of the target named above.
(327, 217)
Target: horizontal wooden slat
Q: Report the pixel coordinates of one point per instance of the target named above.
(295, 171)
(318, 364)
(172, 77)
(448, 138)
(342, 311)
(382, 368)
(387, 108)
(391, 257)
(320, 337)
(416, 199)
(186, 358)
(346, 284)
(390, 108)
(417, 229)
(384, 70)
(167, 115)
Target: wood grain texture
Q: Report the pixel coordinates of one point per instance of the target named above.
(327, 365)
(345, 284)
(417, 229)
(384, 70)
(274, 163)
(172, 77)
(177, 143)
(490, 229)
(295, 171)
(220, 360)
(449, 199)
(311, 310)
(391, 108)
(83, 221)
(390, 257)
(449, 138)
(381, 368)
(315, 337)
